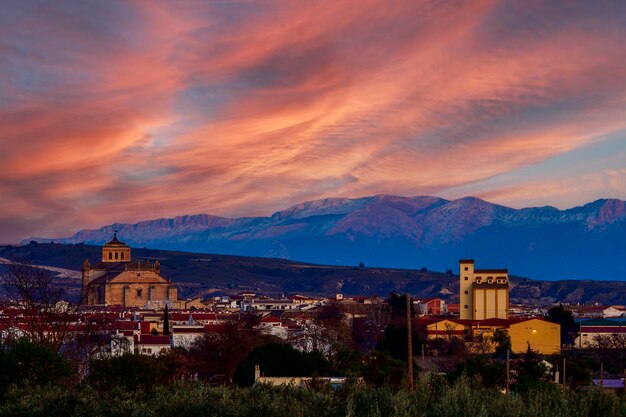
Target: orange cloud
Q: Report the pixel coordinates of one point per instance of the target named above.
(127, 111)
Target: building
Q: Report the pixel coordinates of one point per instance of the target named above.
(431, 306)
(484, 293)
(541, 335)
(118, 280)
(614, 311)
(602, 332)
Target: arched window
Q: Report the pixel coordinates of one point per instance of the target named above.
(110, 255)
(116, 255)
(122, 255)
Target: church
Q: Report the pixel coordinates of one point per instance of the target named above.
(118, 280)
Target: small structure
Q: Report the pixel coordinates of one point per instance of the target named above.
(299, 381)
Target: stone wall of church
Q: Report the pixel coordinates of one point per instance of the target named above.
(137, 294)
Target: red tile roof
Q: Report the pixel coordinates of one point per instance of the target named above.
(150, 339)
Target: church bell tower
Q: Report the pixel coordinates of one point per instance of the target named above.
(116, 251)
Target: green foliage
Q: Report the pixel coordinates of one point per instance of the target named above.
(279, 359)
(531, 372)
(129, 372)
(24, 363)
(433, 397)
(383, 369)
(491, 372)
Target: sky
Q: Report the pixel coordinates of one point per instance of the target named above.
(121, 111)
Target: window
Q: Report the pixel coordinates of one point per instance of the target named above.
(466, 268)
(122, 255)
(116, 255)
(465, 305)
(138, 293)
(466, 292)
(465, 278)
(110, 255)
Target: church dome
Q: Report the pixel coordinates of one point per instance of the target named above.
(115, 241)
(115, 251)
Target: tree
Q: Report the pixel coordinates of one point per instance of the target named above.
(565, 318)
(491, 372)
(502, 341)
(279, 359)
(531, 371)
(384, 370)
(215, 355)
(329, 332)
(610, 341)
(23, 362)
(397, 303)
(395, 341)
(128, 372)
(45, 317)
(166, 322)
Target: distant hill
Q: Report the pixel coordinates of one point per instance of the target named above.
(202, 275)
(402, 232)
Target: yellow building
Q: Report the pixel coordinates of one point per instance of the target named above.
(542, 335)
(484, 293)
(447, 328)
(118, 280)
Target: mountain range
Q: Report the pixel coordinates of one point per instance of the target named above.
(586, 242)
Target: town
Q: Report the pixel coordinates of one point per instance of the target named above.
(127, 307)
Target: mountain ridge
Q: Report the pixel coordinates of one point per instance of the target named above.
(408, 232)
(204, 275)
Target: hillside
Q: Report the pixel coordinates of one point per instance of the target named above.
(202, 275)
(587, 242)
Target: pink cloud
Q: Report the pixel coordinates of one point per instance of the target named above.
(139, 110)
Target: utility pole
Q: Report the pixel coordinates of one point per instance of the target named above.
(410, 341)
(601, 375)
(564, 375)
(424, 357)
(508, 371)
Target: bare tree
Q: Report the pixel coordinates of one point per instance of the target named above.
(610, 341)
(44, 317)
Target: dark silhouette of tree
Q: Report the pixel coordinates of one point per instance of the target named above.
(531, 371)
(128, 372)
(23, 363)
(166, 322)
(46, 317)
(280, 359)
(502, 342)
(569, 327)
(397, 303)
(215, 355)
(385, 370)
(491, 372)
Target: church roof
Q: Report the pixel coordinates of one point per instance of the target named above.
(115, 241)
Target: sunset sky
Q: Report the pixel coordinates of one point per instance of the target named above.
(120, 111)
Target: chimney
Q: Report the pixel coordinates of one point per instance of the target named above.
(257, 372)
